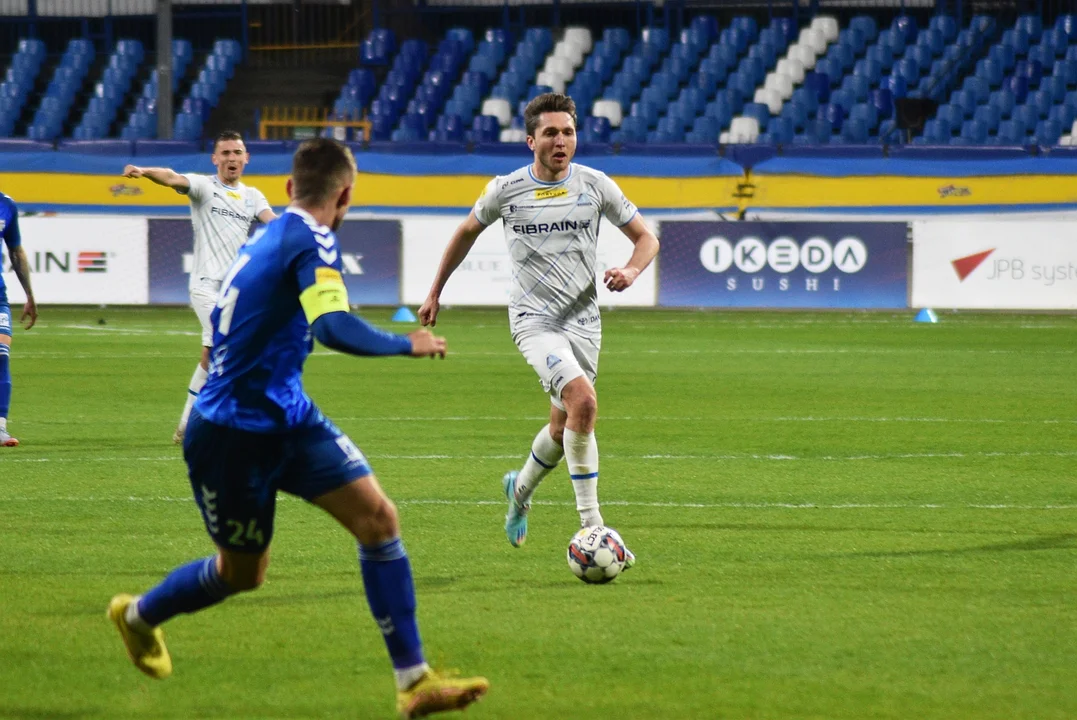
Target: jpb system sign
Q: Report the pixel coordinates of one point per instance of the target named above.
(787, 265)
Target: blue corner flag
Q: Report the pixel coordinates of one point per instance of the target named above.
(927, 315)
(404, 315)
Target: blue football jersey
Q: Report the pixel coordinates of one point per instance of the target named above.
(285, 276)
(9, 230)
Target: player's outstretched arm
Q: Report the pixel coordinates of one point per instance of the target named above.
(646, 248)
(162, 176)
(350, 334)
(459, 246)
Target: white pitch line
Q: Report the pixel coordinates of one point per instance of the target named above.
(617, 503)
(731, 457)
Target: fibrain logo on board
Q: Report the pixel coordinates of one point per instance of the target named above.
(783, 255)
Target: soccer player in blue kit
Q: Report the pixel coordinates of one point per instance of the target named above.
(254, 431)
(9, 230)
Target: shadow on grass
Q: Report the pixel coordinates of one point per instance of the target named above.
(1047, 542)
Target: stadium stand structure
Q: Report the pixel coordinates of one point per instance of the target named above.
(818, 83)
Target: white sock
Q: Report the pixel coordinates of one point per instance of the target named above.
(545, 454)
(134, 620)
(406, 677)
(581, 454)
(197, 381)
(3, 423)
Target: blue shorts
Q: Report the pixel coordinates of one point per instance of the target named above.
(235, 474)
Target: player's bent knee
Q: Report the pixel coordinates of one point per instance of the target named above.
(580, 399)
(380, 525)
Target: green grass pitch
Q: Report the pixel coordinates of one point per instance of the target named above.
(837, 515)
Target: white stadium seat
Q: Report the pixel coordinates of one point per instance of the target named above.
(743, 130)
(826, 25)
(571, 51)
(560, 66)
(609, 109)
(792, 69)
(770, 98)
(813, 39)
(499, 108)
(782, 84)
(580, 36)
(804, 55)
(511, 135)
(553, 80)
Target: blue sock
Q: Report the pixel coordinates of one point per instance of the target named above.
(391, 595)
(5, 380)
(189, 588)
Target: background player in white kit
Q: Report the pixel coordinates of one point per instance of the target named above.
(551, 211)
(222, 211)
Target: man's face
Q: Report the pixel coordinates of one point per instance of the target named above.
(554, 141)
(230, 157)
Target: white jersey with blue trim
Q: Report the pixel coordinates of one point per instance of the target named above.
(552, 234)
(221, 216)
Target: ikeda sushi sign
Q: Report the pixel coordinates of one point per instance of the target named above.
(795, 265)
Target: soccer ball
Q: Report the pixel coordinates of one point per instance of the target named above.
(596, 554)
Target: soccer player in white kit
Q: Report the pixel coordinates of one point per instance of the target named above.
(551, 211)
(222, 211)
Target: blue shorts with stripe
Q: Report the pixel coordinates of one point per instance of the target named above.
(236, 474)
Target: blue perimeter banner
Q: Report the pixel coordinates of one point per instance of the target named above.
(783, 265)
(370, 252)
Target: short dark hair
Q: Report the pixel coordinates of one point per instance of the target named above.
(226, 135)
(547, 102)
(321, 167)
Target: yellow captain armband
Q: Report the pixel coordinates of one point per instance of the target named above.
(327, 294)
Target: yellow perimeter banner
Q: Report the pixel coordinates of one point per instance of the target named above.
(371, 190)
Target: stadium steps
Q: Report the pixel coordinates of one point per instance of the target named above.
(253, 88)
(33, 99)
(82, 97)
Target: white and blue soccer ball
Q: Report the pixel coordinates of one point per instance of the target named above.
(596, 554)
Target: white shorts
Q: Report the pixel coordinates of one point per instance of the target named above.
(558, 357)
(203, 300)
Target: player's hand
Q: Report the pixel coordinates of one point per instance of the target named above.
(132, 171)
(426, 344)
(617, 279)
(29, 310)
(428, 313)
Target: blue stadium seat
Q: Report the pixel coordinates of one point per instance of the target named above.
(781, 129)
(844, 55)
(857, 85)
(694, 98)
(834, 114)
(951, 115)
(1019, 86)
(854, 131)
(937, 132)
(843, 98)
(946, 25)
(796, 112)
(1026, 115)
(881, 55)
(760, 112)
(866, 114)
(866, 25)
(1064, 115)
(1048, 132)
(817, 84)
(807, 98)
(932, 41)
(617, 37)
(720, 110)
(1011, 132)
(1003, 100)
(989, 115)
(646, 110)
(707, 126)
(634, 129)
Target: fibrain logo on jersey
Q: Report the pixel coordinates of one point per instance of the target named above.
(751, 255)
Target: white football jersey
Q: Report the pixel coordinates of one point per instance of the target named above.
(552, 235)
(222, 218)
